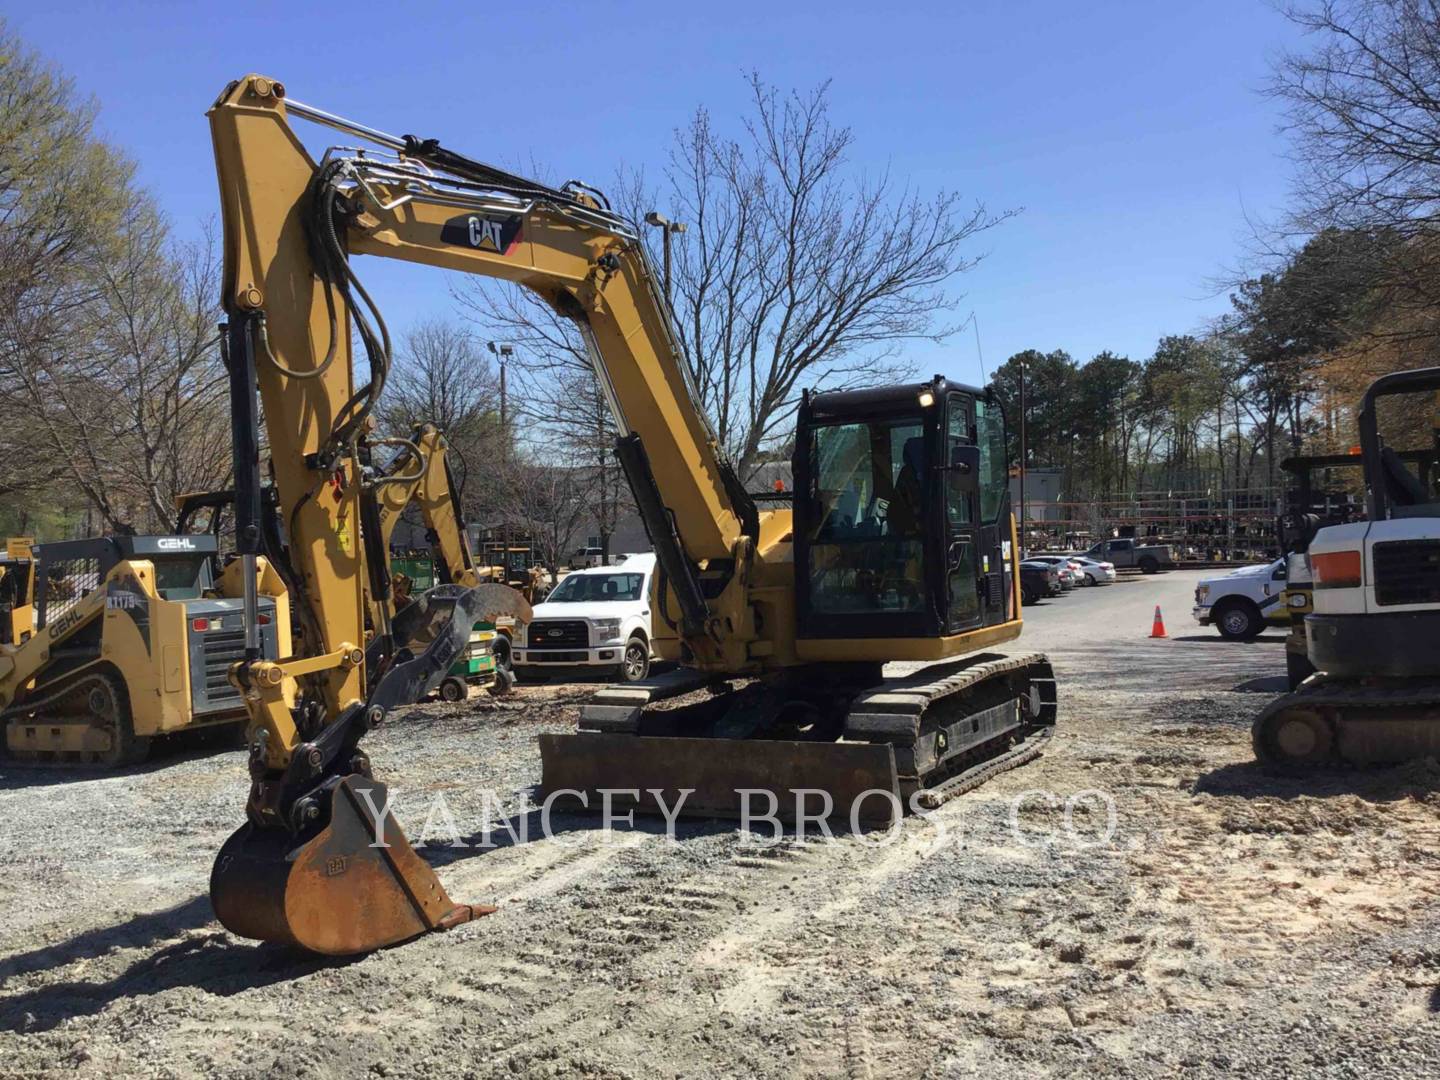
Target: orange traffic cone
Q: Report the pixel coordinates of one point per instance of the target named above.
(1157, 628)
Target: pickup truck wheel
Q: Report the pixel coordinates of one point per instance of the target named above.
(1238, 620)
(1149, 565)
(636, 664)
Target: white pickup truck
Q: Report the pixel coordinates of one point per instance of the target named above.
(596, 618)
(1242, 603)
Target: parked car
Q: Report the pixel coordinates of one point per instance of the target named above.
(586, 557)
(1242, 603)
(595, 618)
(1096, 572)
(1073, 567)
(1148, 558)
(1039, 580)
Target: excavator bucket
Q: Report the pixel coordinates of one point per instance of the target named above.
(721, 777)
(348, 887)
(351, 883)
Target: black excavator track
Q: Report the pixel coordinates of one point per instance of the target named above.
(918, 739)
(1331, 721)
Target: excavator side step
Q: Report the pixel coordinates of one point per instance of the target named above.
(617, 709)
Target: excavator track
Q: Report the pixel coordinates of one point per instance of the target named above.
(94, 703)
(932, 735)
(944, 720)
(1345, 722)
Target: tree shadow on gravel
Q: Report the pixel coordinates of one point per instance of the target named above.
(211, 962)
(134, 933)
(1415, 779)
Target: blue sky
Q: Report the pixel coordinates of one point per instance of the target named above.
(1132, 133)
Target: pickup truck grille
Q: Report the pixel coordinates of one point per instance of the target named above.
(559, 634)
(1407, 572)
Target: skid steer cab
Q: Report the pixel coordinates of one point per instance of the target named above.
(133, 638)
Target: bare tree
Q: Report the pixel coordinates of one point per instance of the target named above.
(1363, 108)
(443, 376)
(128, 402)
(549, 504)
(794, 271)
(63, 197)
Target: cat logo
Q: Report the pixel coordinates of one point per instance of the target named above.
(484, 233)
(481, 233)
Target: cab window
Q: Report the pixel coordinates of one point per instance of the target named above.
(994, 476)
(867, 484)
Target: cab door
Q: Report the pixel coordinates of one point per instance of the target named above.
(961, 512)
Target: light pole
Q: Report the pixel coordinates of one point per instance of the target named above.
(1023, 549)
(502, 351)
(668, 228)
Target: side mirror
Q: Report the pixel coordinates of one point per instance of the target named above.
(965, 460)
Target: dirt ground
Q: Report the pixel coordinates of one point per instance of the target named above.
(1218, 921)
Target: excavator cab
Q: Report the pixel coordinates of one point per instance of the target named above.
(901, 513)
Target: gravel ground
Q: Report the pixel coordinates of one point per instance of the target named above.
(1220, 921)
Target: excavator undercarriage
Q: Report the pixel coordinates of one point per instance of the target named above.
(872, 749)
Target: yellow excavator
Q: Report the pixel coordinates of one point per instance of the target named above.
(419, 475)
(899, 545)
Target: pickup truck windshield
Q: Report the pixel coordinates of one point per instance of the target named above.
(578, 588)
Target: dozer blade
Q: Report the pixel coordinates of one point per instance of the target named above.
(334, 891)
(719, 773)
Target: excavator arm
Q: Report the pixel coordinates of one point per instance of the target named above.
(291, 228)
(419, 475)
